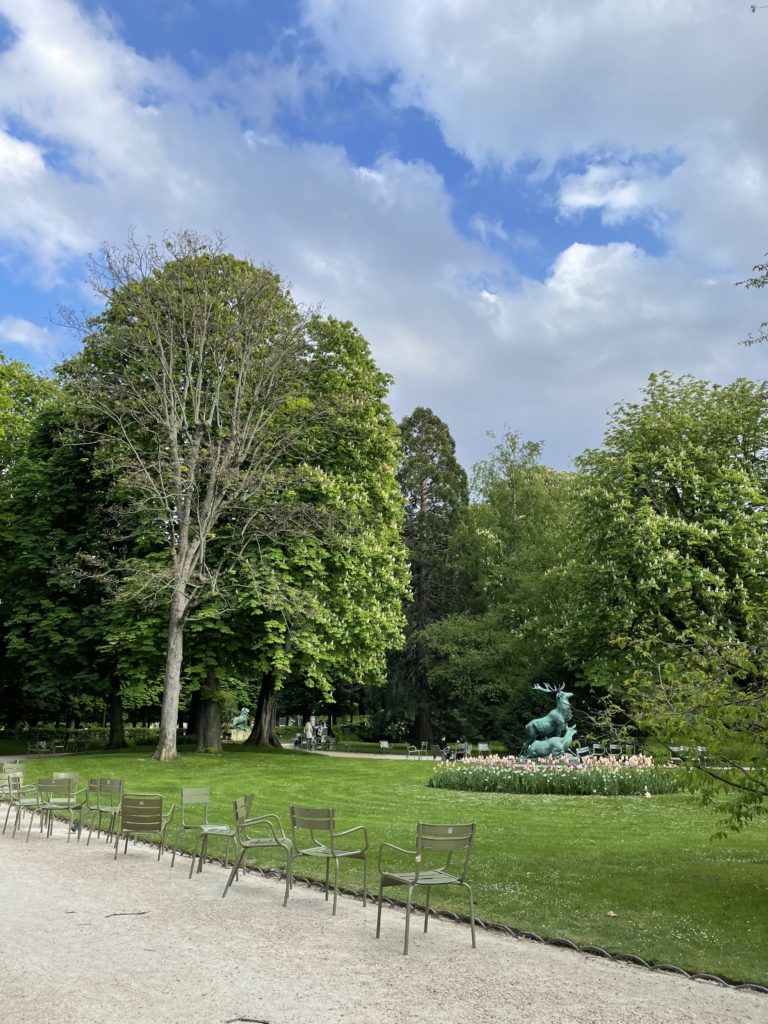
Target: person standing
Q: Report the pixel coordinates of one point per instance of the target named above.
(308, 733)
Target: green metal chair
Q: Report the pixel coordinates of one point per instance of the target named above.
(77, 800)
(194, 818)
(19, 798)
(9, 768)
(54, 797)
(436, 843)
(307, 823)
(103, 800)
(141, 814)
(261, 833)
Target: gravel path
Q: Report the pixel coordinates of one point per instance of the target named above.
(89, 939)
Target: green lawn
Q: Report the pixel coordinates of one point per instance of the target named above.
(550, 864)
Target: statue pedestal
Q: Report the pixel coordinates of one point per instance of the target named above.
(240, 735)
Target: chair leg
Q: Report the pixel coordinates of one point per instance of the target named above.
(233, 872)
(202, 855)
(287, 878)
(176, 847)
(426, 908)
(378, 915)
(194, 854)
(7, 815)
(335, 883)
(407, 918)
(31, 819)
(327, 873)
(468, 887)
(365, 880)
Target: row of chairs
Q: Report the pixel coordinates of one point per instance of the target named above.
(441, 855)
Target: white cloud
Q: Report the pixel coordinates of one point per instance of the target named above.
(544, 78)
(111, 139)
(15, 330)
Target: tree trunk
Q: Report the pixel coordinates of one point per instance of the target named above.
(169, 715)
(264, 732)
(209, 716)
(116, 727)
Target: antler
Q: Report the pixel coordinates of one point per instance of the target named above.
(546, 688)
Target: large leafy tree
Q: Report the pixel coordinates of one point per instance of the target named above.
(436, 495)
(669, 595)
(72, 644)
(484, 659)
(196, 368)
(327, 608)
(23, 394)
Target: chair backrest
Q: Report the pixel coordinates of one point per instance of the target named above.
(13, 766)
(447, 839)
(312, 819)
(105, 792)
(483, 748)
(74, 776)
(195, 796)
(141, 812)
(12, 784)
(424, 745)
(242, 808)
(54, 789)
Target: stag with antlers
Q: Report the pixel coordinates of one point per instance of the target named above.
(553, 724)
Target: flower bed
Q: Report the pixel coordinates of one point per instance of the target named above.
(636, 775)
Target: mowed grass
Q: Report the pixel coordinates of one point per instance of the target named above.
(549, 864)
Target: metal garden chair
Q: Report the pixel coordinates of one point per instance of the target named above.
(141, 814)
(317, 827)
(54, 797)
(436, 843)
(19, 798)
(103, 800)
(261, 833)
(194, 818)
(77, 799)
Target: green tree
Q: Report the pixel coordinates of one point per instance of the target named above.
(327, 606)
(436, 495)
(669, 604)
(484, 659)
(63, 627)
(197, 369)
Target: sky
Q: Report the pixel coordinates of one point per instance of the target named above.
(526, 207)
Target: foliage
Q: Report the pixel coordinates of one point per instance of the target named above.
(592, 776)
(669, 576)
(434, 487)
(201, 371)
(484, 659)
(760, 280)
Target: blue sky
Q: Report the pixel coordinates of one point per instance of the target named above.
(527, 207)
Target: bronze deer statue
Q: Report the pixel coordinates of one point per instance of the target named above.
(553, 724)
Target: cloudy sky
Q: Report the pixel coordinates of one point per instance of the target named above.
(526, 207)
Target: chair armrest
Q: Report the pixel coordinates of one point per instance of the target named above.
(167, 818)
(271, 820)
(349, 832)
(397, 849)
